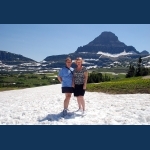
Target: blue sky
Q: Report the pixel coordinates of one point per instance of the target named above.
(37, 41)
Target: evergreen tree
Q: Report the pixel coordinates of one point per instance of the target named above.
(131, 71)
(144, 71)
(138, 70)
(94, 77)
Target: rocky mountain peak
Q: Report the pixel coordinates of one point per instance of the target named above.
(106, 38)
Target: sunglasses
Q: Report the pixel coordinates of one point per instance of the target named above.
(78, 58)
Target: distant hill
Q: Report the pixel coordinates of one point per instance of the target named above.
(144, 52)
(13, 59)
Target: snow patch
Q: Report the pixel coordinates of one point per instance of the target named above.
(84, 52)
(92, 59)
(89, 67)
(43, 106)
(146, 57)
(124, 53)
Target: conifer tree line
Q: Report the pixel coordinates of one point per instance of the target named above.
(96, 77)
(138, 70)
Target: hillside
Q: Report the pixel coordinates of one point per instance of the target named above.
(13, 59)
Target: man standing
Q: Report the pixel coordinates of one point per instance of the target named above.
(65, 77)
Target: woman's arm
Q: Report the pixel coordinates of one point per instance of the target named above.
(60, 79)
(73, 85)
(85, 79)
(59, 76)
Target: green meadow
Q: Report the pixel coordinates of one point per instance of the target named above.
(122, 86)
(118, 84)
(19, 81)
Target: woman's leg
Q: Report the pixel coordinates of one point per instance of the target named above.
(82, 102)
(79, 102)
(67, 99)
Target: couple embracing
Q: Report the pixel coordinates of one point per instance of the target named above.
(73, 81)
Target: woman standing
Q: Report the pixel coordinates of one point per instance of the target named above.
(65, 77)
(80, 77)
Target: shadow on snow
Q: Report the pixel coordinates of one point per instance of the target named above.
(57, 117)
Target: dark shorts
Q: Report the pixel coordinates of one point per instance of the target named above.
(78, 90)
(67, 89)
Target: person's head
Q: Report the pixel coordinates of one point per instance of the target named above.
(68, 62)
(79, 61)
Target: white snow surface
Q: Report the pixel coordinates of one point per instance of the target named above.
(43, 106)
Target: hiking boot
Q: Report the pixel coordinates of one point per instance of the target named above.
(79, 111)
(83, 113)
(64, 112)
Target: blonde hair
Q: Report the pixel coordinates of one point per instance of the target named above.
(68, 58)
(79, 58)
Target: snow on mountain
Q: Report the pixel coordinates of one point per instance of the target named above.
(89, 67)
(91, 59)
(88, 63)
(84, 52)
(146, 57)
(43, 106)
(124, 53)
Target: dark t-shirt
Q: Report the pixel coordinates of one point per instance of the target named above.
(79, 75)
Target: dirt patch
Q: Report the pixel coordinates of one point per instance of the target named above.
(146, 77)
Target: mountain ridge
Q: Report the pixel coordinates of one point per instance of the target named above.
(13, 59)
(101, 51)
(106, 42)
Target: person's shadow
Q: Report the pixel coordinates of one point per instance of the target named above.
(57, 117)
